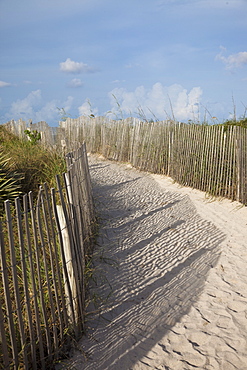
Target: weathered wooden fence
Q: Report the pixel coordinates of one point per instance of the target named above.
(43, 247)
(210, 158)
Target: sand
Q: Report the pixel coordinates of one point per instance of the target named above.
(169, 287)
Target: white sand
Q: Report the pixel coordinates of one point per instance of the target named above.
(170, 279)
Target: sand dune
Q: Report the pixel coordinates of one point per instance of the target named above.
(170, 280)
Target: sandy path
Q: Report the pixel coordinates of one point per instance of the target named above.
(170, 280)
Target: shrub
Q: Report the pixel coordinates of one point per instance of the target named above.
(35, 164)
(10, 186)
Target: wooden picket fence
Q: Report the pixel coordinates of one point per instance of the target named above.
(43, 248)
(211, 158)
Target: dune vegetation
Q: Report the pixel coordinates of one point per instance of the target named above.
(25, 165)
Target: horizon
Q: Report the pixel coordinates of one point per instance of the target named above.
(164, 59)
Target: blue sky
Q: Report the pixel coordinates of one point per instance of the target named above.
(160, 58)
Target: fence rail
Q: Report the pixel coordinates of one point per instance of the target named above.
(43, 246)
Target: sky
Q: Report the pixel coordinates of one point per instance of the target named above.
(152, 59)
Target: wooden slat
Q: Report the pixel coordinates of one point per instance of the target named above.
(228, 163)
(54, 208)
(3, 328)
(44, 227)
(56, 273)
(70, 236)
(8, 300)
(15, 280)
(38, 273)
(77, 247)
(33, 287)
(25, 285)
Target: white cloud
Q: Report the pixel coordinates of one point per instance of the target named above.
(76, 82)
(69, 66)
(25, 107)
(4, 84)
(31, 107)
(234, 60)
(160, 101)
(86, 109)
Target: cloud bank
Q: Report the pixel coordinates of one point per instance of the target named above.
(33, 107)
(159, 102)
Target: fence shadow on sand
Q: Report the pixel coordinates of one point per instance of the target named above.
(153, 260)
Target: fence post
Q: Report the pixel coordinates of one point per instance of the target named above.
(170, 149)
(238, 169)
(69, 265)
